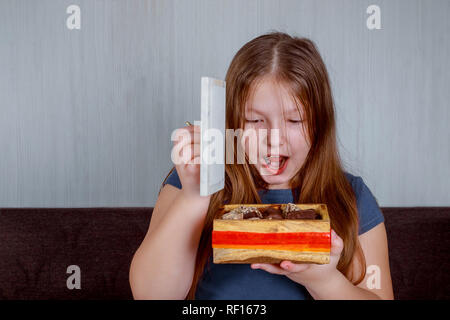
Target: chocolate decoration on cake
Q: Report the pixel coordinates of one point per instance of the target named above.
(303, 214)
(291, 211)
(272, 214)
(290, 207)
(232, 215)
(252, 213)
(243, 212)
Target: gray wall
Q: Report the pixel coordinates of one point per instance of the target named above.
(86, 115)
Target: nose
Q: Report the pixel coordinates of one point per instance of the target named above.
(276, 136)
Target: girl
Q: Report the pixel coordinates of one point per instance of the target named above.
(275, 81)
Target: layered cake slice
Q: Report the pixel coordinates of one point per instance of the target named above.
(271, 233)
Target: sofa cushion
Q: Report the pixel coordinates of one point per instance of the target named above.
(38, 245)
(419, 251)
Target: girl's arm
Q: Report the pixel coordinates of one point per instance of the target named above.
(326, 282)
(377, 283)
(163, 266)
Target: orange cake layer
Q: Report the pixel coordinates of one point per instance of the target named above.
(273, 247)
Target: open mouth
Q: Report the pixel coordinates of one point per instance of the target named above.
(275, 165)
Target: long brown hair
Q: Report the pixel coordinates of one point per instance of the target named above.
(296, 63)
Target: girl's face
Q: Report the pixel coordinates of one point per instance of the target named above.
(272, 107)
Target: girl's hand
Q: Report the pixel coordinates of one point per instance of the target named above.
(309, 274)
(186, 156)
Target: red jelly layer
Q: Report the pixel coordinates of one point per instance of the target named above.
(297, 241)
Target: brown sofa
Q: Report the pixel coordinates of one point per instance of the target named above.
(37, 246)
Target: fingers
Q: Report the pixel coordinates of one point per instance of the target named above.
(189, 153)
(294, 267)
(271, 268)
(184, 137)
(186, 146)
(191, 129)
(285, 267)
(337, 244)
(193, 155)
(195, 160)
(186, 130)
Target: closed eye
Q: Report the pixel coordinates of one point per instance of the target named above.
(258, 120)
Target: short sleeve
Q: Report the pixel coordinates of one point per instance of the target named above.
(370, 214)
(173, 179)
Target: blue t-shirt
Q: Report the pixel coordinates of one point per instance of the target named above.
(241, 282)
